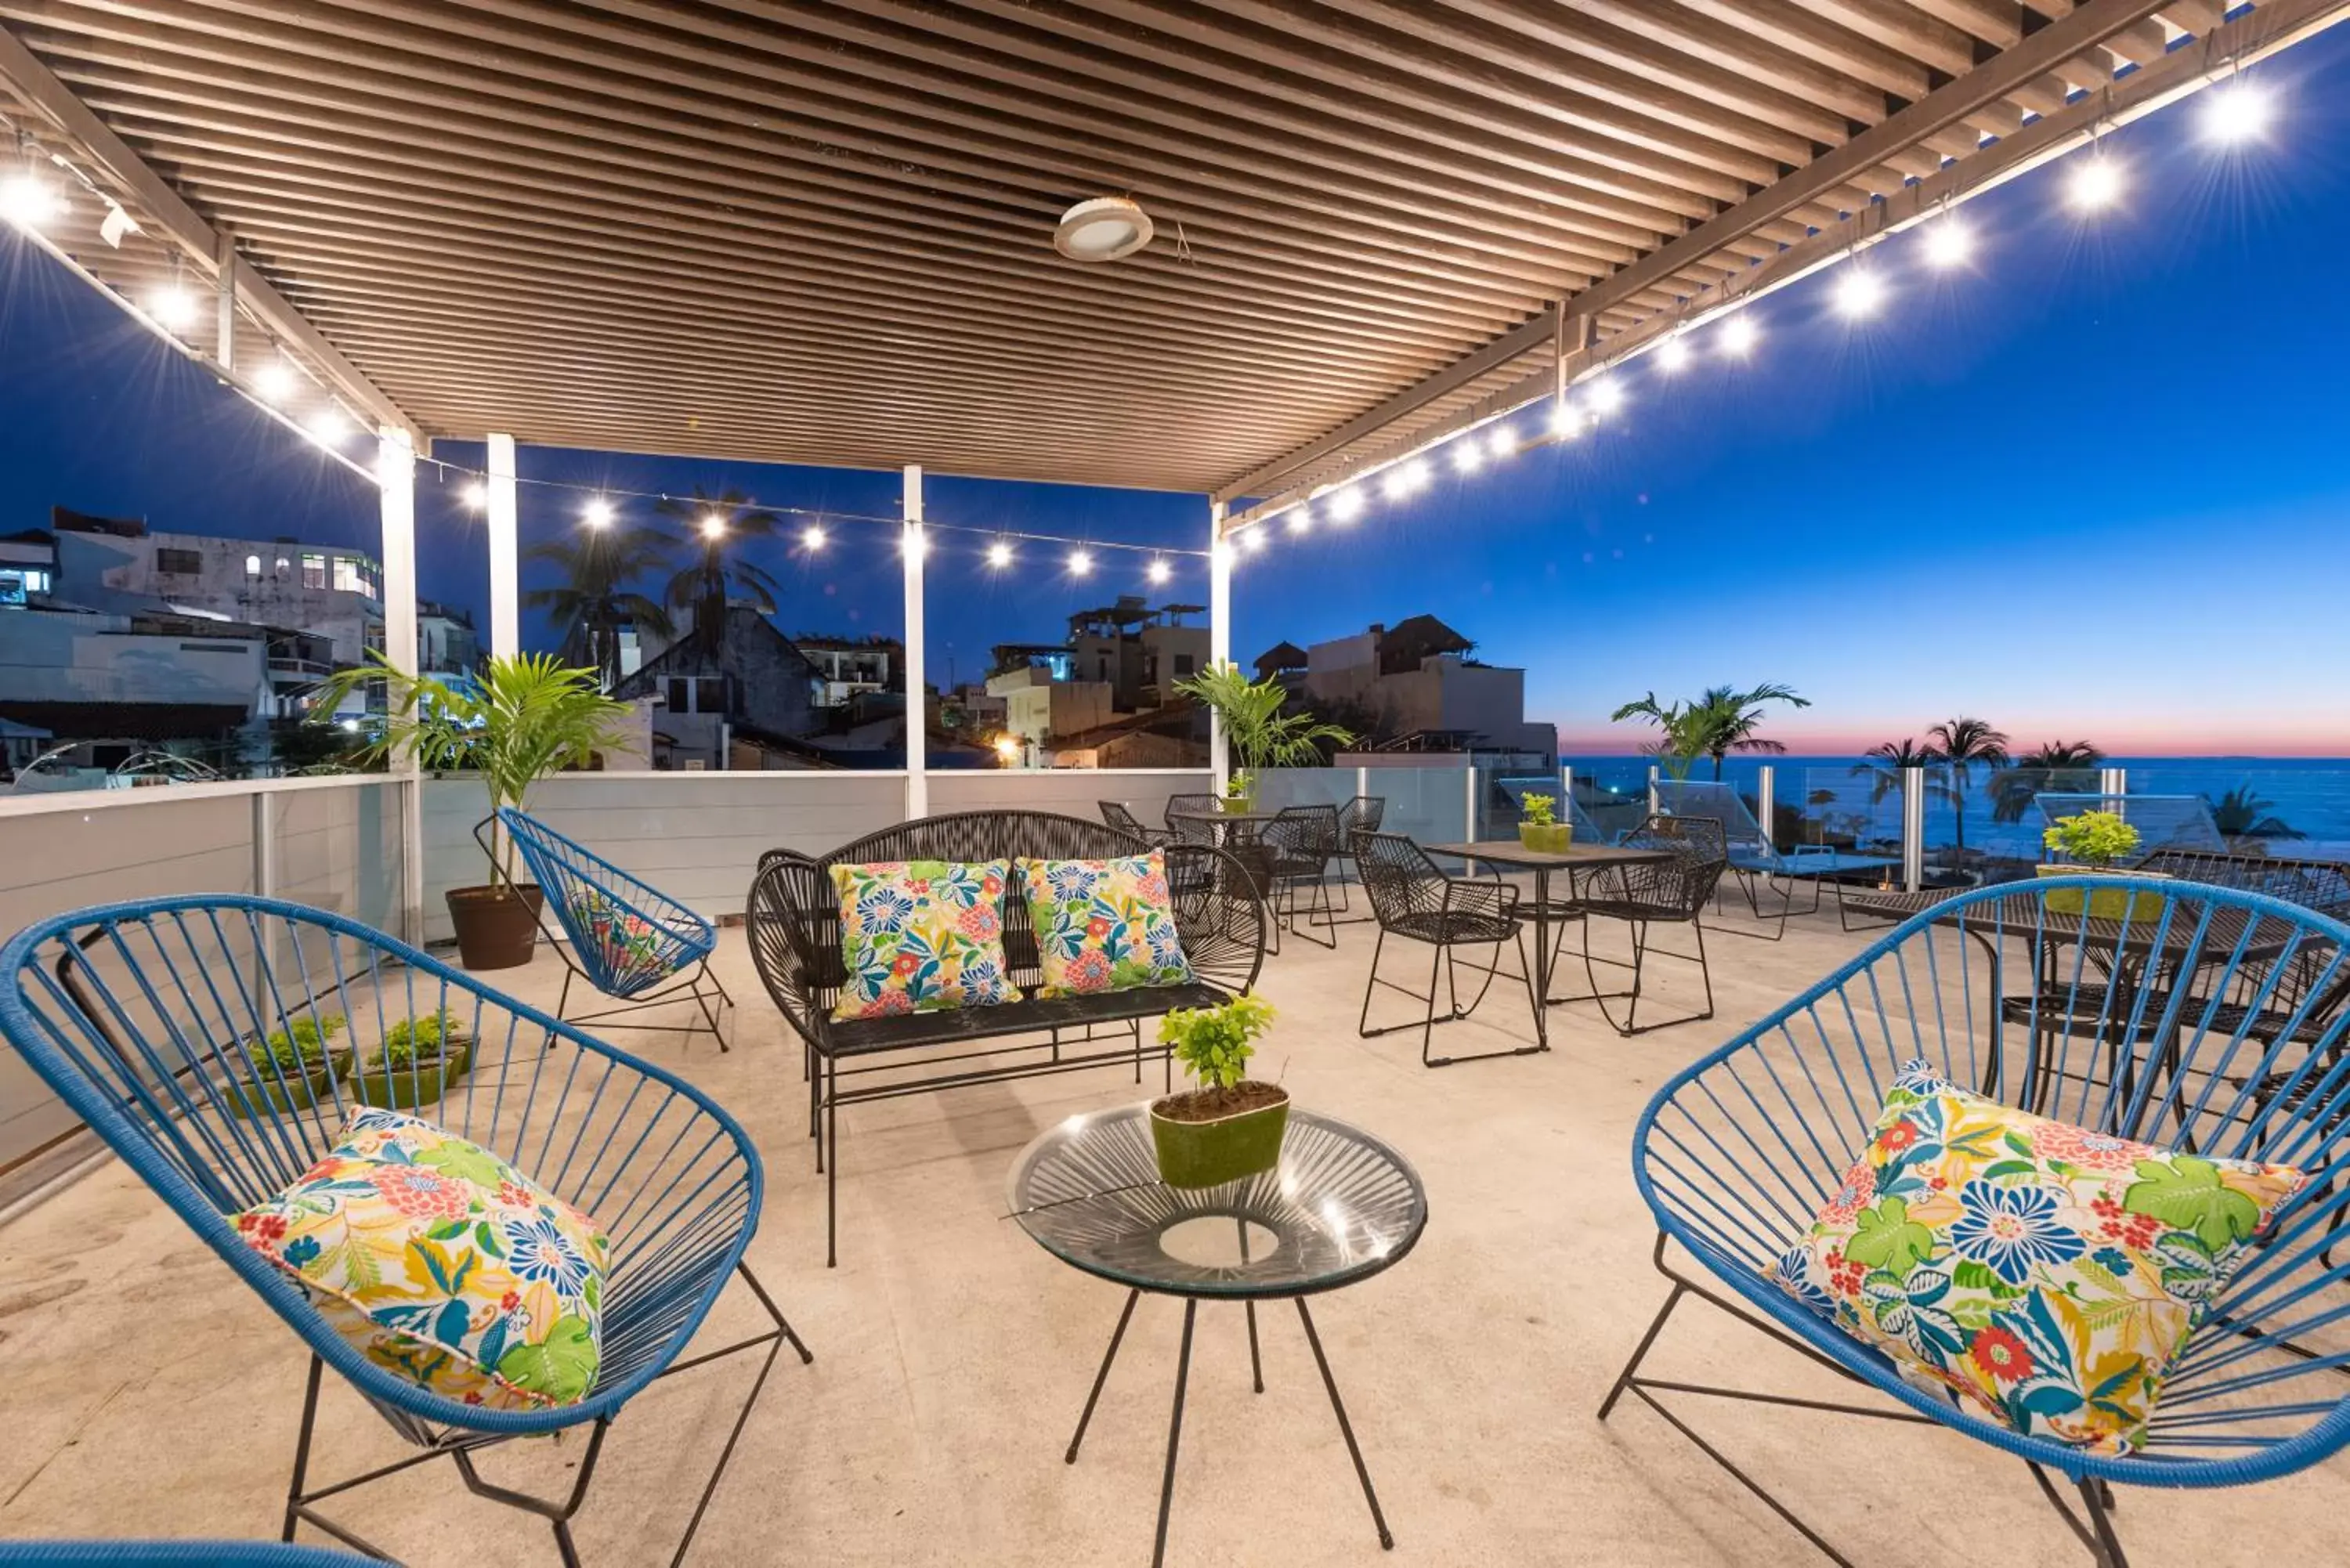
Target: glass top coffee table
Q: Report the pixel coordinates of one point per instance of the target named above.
(1341, 1207)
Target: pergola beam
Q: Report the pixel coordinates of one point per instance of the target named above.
(2270, 27)
(1938, 110)
(203, 245)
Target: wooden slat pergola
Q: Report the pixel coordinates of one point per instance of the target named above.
(819, 231)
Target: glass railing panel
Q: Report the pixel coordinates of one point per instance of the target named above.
(1610, 794)
(1280, 788)
(2277, 807)
(1427, 804)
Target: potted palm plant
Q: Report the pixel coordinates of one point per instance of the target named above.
(1262, 736)
(292, 1067)
(1539, 827)
(518, 720)
(1230, 1126)
(2097, 842)
(418, 1062)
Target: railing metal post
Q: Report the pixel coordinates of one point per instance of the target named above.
(912, 545)
(1766, 803)
(1468, 803)
(2112, 781)
(1913, 828)
(1565, 793)
(1653, 773)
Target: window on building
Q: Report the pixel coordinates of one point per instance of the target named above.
(314, 571)
(711, 695)
(1184, 667)
(253, 566)
(180, 563)
(283, 565)
(680, 694)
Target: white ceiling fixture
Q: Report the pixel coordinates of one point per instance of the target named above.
(1103, 230)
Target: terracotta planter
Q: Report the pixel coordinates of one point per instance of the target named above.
(405, 1088)
(496, 927)
(2121, 904)
(1546, 838)
(1194, 1154)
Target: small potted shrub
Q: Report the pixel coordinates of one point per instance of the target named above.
(420, 1060)
(293, 1067)
(2097, 842)
(1230, 1126)
(1240, 793)
(1539, 827)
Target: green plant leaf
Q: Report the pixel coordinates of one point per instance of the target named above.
(1886, 1237)
(562, 1366)
(2186, 1192)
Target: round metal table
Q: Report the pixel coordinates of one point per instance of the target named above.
(1340, 1207)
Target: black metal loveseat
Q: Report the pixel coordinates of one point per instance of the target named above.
(792, 918)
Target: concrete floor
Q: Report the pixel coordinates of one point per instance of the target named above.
(144, 1392)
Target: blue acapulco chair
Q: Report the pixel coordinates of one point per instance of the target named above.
(629, 940)
(141, 1017)
(173, 1554)
(2213, 1021)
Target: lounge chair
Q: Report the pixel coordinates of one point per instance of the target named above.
(1758, 862)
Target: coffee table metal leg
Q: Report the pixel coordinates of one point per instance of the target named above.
(1346, 1429)
(1175, 1431)
(1256, 1365)
(1103, 1375)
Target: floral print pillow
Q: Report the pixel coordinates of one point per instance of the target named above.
(443, 1264)
(2047, 1275)
(626, 943)
(1104, 925)
(921, 936)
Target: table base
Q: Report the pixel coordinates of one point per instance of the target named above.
(1175, 1420)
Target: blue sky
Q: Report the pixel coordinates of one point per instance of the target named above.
(2093, 485)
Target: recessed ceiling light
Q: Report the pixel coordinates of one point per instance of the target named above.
(1102, 228)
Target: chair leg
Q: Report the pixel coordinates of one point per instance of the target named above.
(302, 1446)
(831, 1141)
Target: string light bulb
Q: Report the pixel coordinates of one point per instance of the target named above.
(1301, 519)
(1256, 539)
(811, 538)
(1605, 396)
(1501, 442)
(327, 427)
(1738, 336)
(30, 200)
(1673, 354)
(1349, 503)
(1948, 243)
(598, 513)
(2095, 184)
(913, 543)
(1159, 571)
(1080, 562)
(1858, 294)
(713, 526)
(474, 497)
(1467, 456)
(999, 555)
(2237, 112)
(172, 307)
(1565, 419)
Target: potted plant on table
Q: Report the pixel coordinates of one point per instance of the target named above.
(420, 1060)
(517, 721)
(2097, 843)
(1262, 736)
(292, 1067)
(1240, 795)
(1539, 828)
(1230, 1126)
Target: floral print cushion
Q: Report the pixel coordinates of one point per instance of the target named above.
(627, 941)
(1104, 925)
(921, 936)
(443, 1264)
(2048, 1275)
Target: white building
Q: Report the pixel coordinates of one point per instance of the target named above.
(1418, 679)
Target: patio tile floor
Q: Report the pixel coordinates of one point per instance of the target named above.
(146, 1393)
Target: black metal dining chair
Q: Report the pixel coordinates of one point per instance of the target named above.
(1413, 898)
(1187, 818)
(1364, 814)
(1120, 817)
(1672, 892)
(1299, 845)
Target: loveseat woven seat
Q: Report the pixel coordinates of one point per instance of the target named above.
(793, 915)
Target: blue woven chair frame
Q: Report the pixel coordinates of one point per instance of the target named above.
(143, 1017)
(628, 940)
(172, 1554)
(2213, 1021)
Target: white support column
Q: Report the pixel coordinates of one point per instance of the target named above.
(912, 545)
(1766, 805)
(1219, 634)
(1913, 829)
(395, 467)
(505, 573)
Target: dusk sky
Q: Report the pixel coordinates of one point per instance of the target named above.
(2095, 485)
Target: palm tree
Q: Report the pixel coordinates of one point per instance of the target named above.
(2238, 815)
(596, 600)
(718, 575)
(1891, 761)
(2058, 765)
(1959, 743)
(1721, 719)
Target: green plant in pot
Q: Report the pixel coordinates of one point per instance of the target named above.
(292, 1067)
(519, 720)
(1230, 1126)
(1260, 733)
(418, 1062)
(1539, 827)
(2097, 842)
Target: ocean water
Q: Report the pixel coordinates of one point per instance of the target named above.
(2308, 796)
